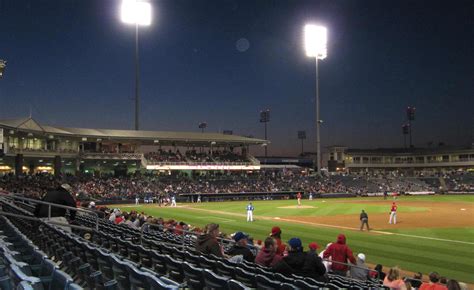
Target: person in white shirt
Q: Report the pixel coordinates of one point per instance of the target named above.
(250, 210)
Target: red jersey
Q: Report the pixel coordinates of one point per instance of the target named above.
(298, 195)
(394, 208)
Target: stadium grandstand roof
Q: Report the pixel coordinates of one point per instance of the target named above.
(30, 125)
(410, 151)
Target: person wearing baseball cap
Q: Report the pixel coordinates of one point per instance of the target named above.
(360, 270)
(276, 234)
(313, 246)
(300, 263)
(241, 248)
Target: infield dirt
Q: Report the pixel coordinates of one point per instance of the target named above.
(439, 215)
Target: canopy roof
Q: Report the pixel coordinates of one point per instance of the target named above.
(30, 125)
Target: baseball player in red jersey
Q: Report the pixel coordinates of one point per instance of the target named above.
(393, 214)
(298, 196)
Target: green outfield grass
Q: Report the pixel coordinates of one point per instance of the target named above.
(450, 251)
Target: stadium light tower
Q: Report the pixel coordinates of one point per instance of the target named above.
(316, 46)
(136, 12)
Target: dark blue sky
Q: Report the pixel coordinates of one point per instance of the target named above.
(72, 62)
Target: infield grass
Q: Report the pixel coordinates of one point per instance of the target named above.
(449, 251)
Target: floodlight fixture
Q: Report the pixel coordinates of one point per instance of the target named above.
(3, 65)
(136, 12)
(315, 41)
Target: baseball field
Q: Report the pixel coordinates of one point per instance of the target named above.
(433, 233)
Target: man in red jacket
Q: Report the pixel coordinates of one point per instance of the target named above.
(340, 252)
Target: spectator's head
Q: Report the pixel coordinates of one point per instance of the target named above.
(453, 285)
(66, 187)
(361, 257)
(270, 244)
(212, 229)
(378, 268)
(443, 280)
(393, 274)
(276, 232)
(418, 276)
(241, 238)
(341, 239)
(313, 247)
(295, 245)
(434, 277)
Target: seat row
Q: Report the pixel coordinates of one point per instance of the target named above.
(23, 266)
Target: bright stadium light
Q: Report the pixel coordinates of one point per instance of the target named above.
(136, 12)
(316, 46)
(315, 41)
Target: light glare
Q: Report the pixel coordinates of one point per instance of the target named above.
(315, 41)
(136, 12)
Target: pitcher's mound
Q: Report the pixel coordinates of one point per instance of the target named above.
(295, 206)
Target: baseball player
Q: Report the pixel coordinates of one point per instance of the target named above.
(393, 214)
(298, 196)
(250, 210)
(173, 201)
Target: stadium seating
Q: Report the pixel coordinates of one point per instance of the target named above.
(117, 257)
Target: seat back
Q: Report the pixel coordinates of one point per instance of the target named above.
(193, 276)
(266, 284)
(236, 285)
(246, 278)
(213, 281)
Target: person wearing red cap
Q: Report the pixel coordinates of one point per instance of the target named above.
(393, 214)
(312, 249)
(276, 234)
(298, 196)
(339, 252)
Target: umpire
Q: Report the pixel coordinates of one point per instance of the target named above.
(364, 220)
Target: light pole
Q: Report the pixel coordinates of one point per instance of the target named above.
(316, 46)
(202, 126)
(136, 12)
(265, 118)
(302, 137)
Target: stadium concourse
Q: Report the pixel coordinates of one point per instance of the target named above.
(114, 249)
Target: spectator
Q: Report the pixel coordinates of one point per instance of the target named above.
(341, 253)
(276, 234)
(393, 281)
(61, 196)
(313, 247)
(207, 243)
(433, 284)
(267, 256)
(326, 263)
(241, 248)
(378, 273)
(417, 280)
(360, 271)
(300, 263)
(453, 285)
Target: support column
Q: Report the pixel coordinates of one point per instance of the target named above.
(57, 165)
(19, 164)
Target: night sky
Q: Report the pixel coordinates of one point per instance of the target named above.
(222, 61)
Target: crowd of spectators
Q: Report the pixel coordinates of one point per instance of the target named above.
(194, 156)
(155, 187)
(291, 257)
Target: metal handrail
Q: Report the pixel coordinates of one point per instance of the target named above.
(50, 204)
(46, 221)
